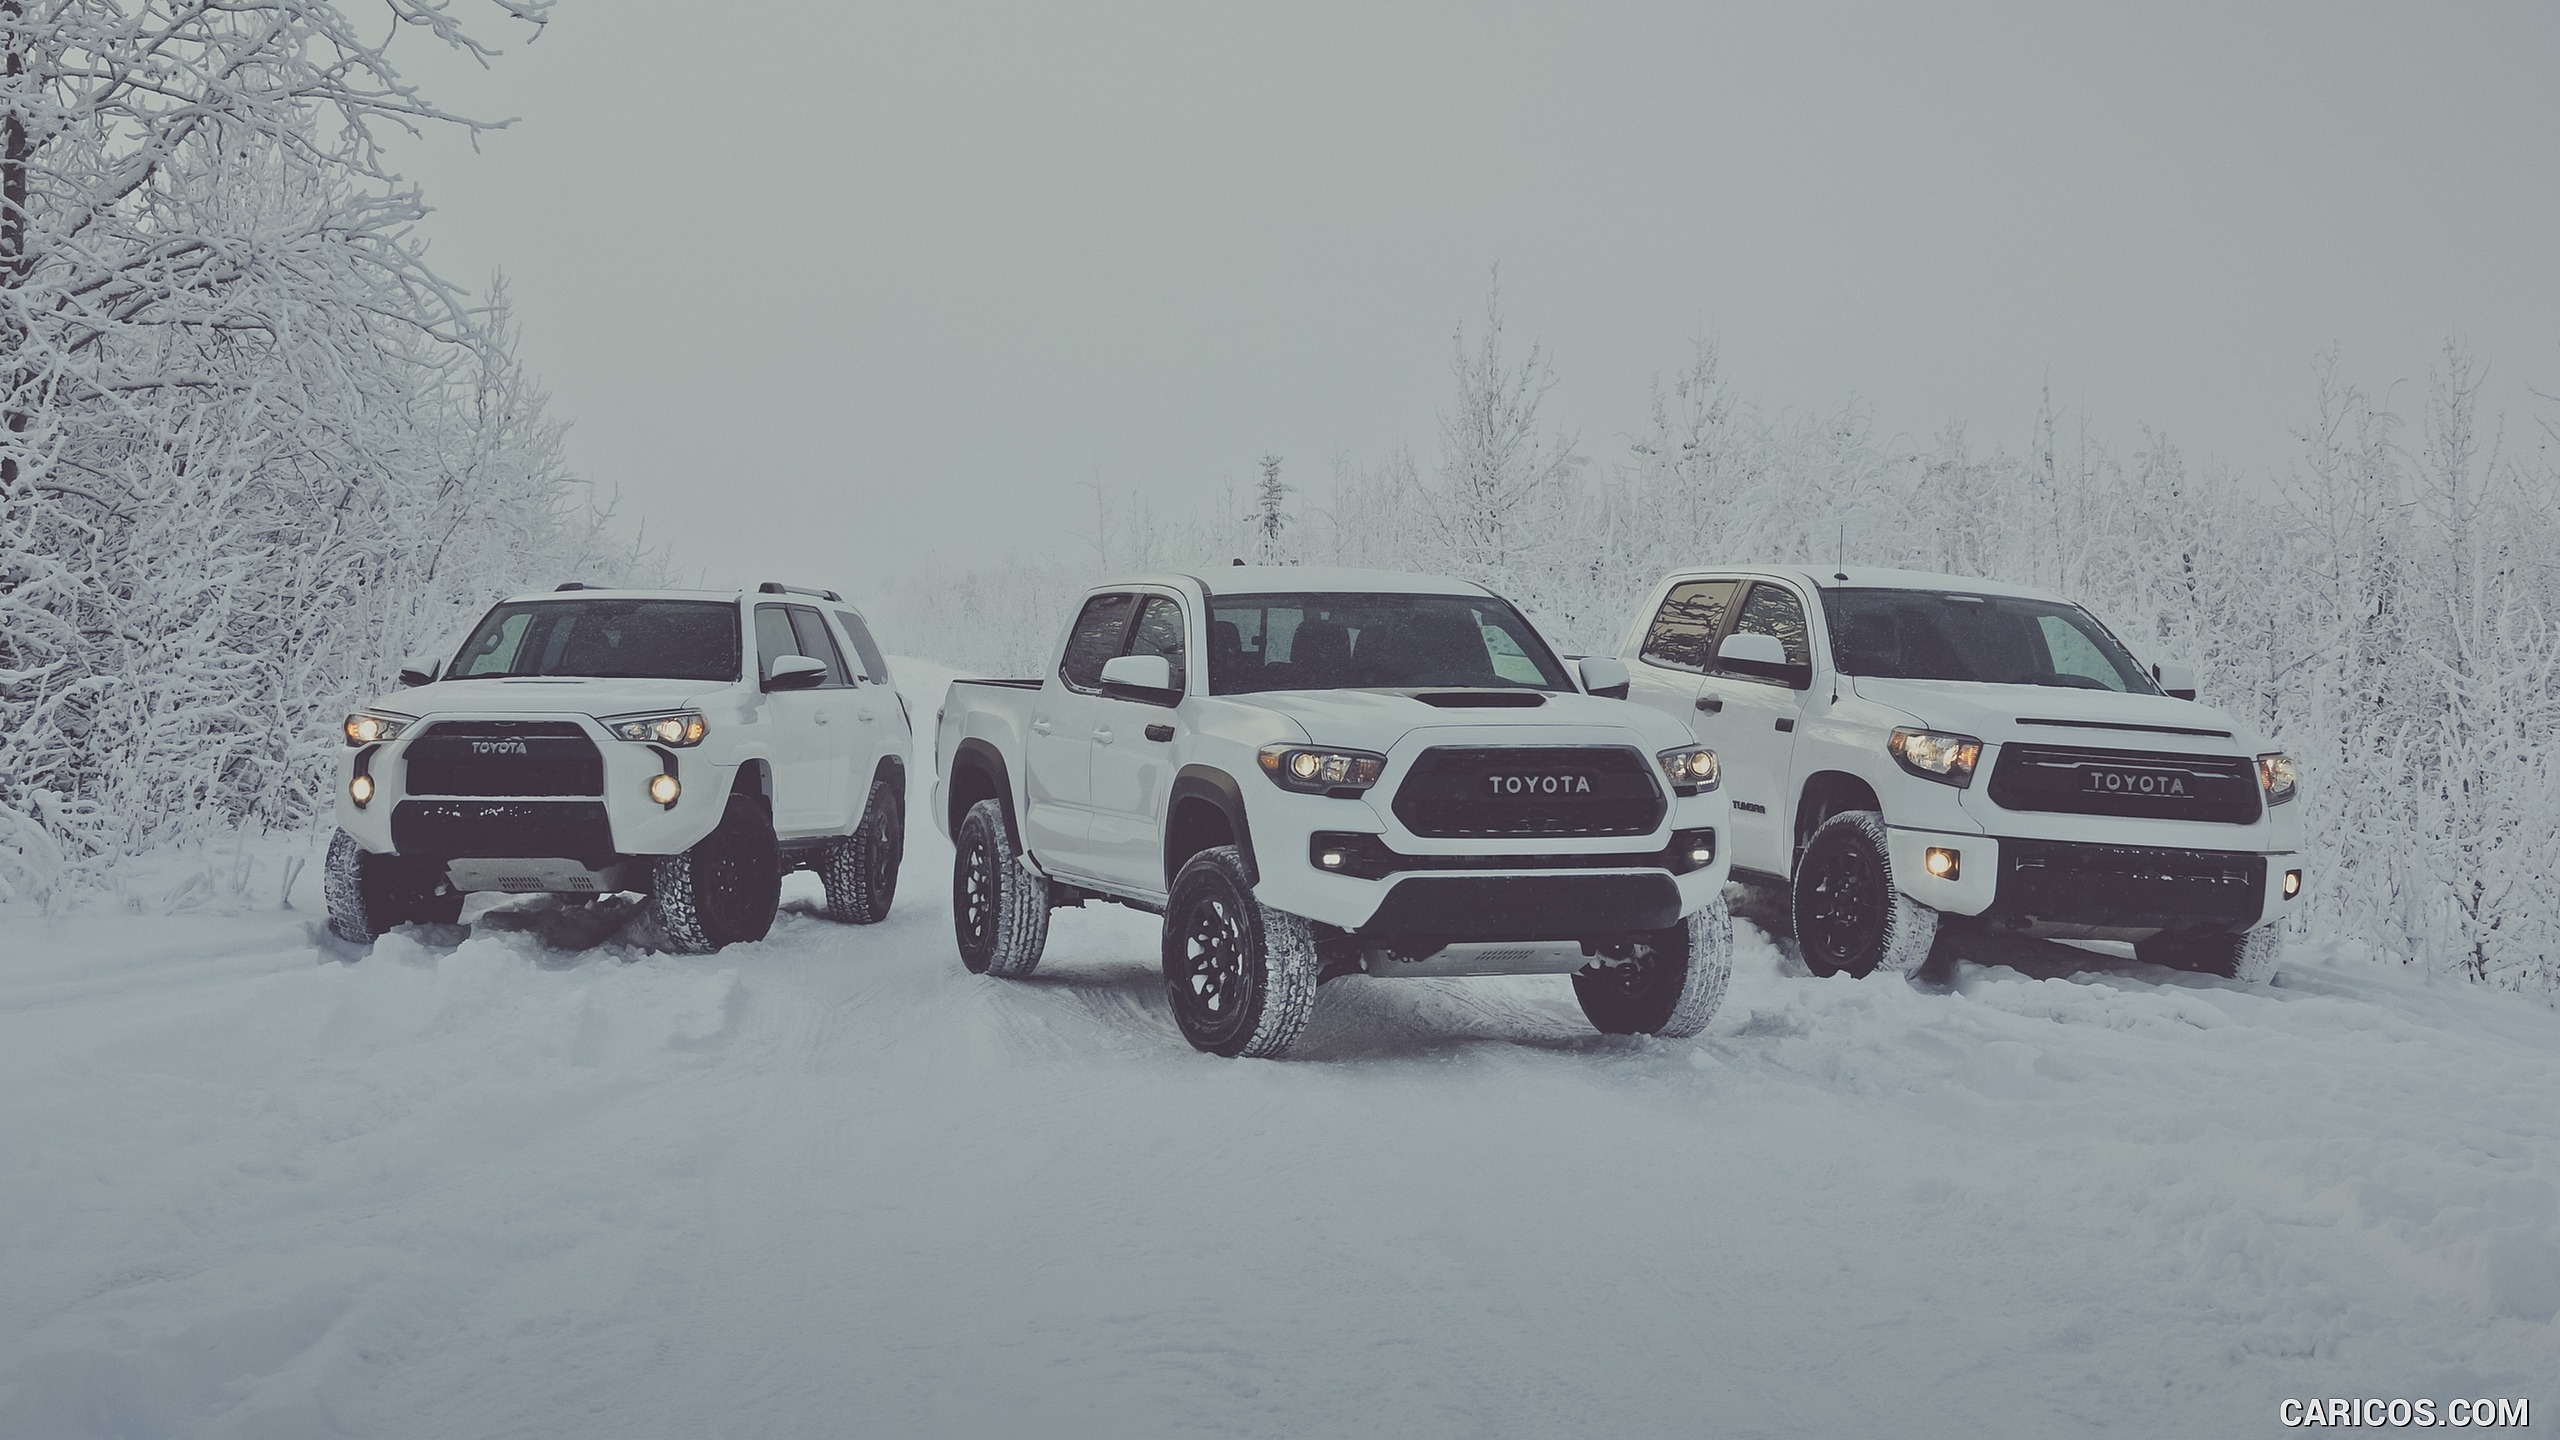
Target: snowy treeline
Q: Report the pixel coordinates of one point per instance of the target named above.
(2389, 609)
(254, 448)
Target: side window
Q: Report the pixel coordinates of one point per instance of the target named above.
(1159, 632)
(1096, 637)
(817, 644)
(496, 652)
(1775, 610)
(774, 639)
(1509, 661)
(1683, 636)
(2075, 655)
(873, 666)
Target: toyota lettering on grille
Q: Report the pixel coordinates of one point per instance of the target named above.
(2132, 782)
(499, 747)
(1507, 785)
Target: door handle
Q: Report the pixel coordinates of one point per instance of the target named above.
(862, 715)
(822, 717)
(1712, 704)
(1159, 732)
(1040, 725)
(1101, 737)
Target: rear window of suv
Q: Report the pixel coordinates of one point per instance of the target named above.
(603, 639)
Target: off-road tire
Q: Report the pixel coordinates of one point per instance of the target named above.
(1671, 984)
(724, 890)
(2249, 957)
(999, 908)
(861, 870)
(371, 895)
(1240, 975)
(1850, 917)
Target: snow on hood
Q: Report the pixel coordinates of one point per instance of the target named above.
(1376, 719)
(548, 695)
(1992, 713)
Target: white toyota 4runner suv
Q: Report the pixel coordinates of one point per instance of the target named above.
(1313, 773)
(1900, 747)
(695, 746)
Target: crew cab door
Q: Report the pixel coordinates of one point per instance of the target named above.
(1057, 801)
(1132, 758)
(1751, 722)
(799, 742)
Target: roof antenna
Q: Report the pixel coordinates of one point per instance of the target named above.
(1840, 557)
(1239, 560)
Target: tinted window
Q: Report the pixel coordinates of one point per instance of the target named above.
(1684, 630)
(774, 638)
(1096, 637)
(1988, 639)
(863, 645)
(817, 644)
(1159, 632)
(1348, 642)
(656, 639)
(1775, 610)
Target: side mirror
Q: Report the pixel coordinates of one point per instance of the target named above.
(420, 670)
(1605, 676)
(1761, 657)
(1147, 678)
(2178, 682)
(796, 672)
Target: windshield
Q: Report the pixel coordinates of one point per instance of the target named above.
(604, 639)
(1990, 639)
(1388, 642)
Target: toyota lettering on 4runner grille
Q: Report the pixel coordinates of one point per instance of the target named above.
(1541, 785)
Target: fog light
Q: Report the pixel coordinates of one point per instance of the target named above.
(664, 789)
(1702, 854)
(1331, 859)
(360, 790)
(2292, 883)
(1942, 862)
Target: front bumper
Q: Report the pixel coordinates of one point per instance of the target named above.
(2094, 890)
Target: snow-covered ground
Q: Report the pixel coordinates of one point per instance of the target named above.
(489, 1184)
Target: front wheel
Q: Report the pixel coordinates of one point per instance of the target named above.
(725, 889)
(1850, 916)
(370, 895)
(860, 871)
(2249, 957)
(1241, 976)
(999, 908)
(1669, 983)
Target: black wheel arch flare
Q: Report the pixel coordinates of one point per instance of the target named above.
(1187, 829)
(978, 773)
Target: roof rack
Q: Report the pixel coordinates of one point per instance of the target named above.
(574, 585)
(776, 587)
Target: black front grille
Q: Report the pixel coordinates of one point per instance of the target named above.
(504, 757)
(2129, 886)
(2073, 781)
(1515, 790)
(503, 830)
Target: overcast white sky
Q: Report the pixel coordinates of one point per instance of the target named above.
(834, 289)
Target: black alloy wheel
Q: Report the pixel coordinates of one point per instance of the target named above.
(1841, 918)
(1214, 990)
(880, 873)
(976, 897)
(741, 879)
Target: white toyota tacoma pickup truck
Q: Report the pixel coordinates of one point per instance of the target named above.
(691, 745)
(1902, 747)
(1311, 773)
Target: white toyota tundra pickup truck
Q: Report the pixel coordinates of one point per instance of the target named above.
(1902, 747)
(1311, 773)
(691, 745)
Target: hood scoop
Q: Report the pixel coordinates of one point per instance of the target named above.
(1482, 699)
(2125, 725)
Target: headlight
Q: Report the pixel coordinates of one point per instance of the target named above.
(372, 727)
(2277, 775)
(1691, 769)
(680, 729)
(1315, 771)
(1936, 755)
